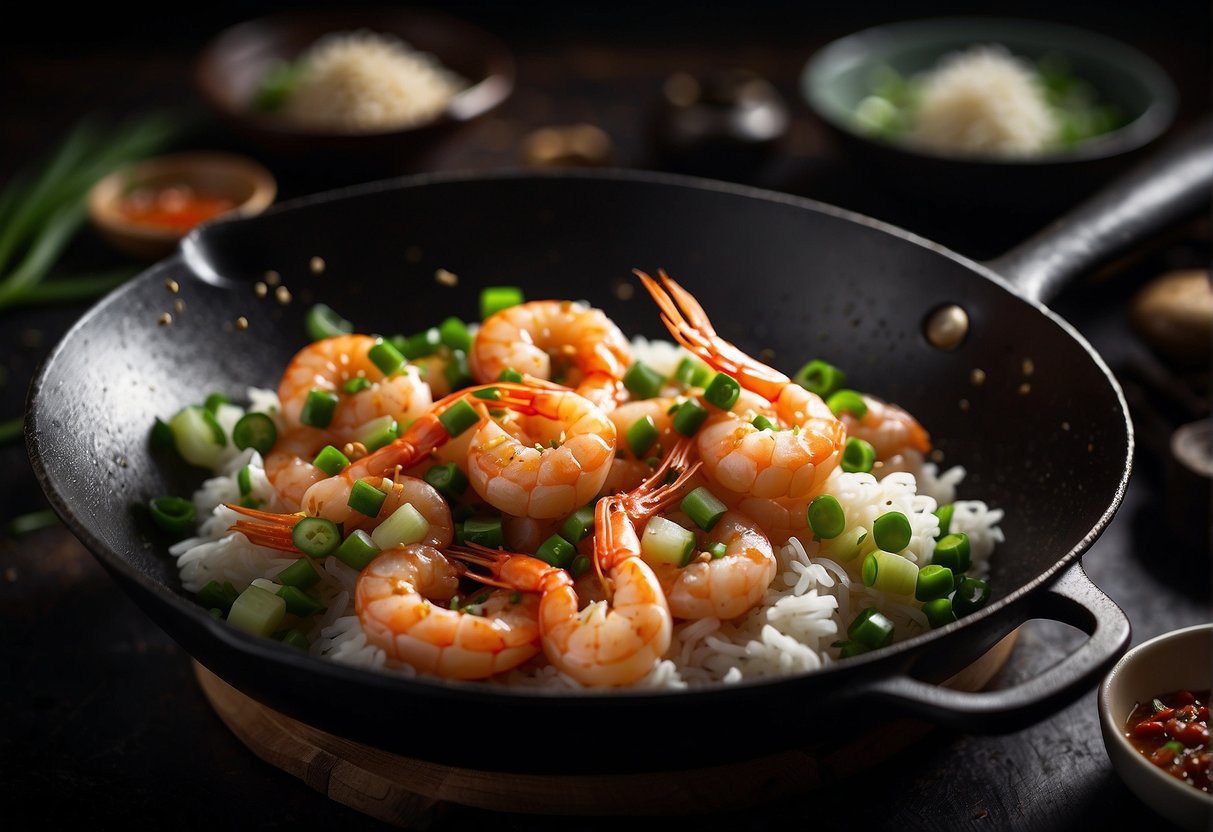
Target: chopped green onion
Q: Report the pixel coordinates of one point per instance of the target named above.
(386, 357)
(858, 456)
(457, 372)
(257, 611)
(692, 372)
(356, 385)
(892, 531)
(703, 507)
(299, 602)
(1174, 746)
(448, 479)
(454, 334)
(214, 400)
(934, 582)
(971, 595)
(954, 552)
(255, 430)
(763, 423)
(244, 481)
(847, 545)
(843, 401)
(378, 432)
(642, 381)
(718, 550)
(173, 514)
(484, 530)
(461, 512)
(357, 550)
(458, 417)
(301, 573)
(891, 573)
(316, 537)
(331, 461)
(366, 499)
(820, 377)
(215, 595)
(722, 391)
(323, 322)
(944, 513)
(689, 417)
(848, 648)
(295, 638)
(580, 565)
(579, 525)
(939, 612)
(495, 298)
(826, 517)
(403, 526)
(664, 541)
(491, 394)
(871, 628)
(510, 375)
(318, 408)
(420, 344)
(161, 438)
(557, 551)
(641, 435)
(198, 436)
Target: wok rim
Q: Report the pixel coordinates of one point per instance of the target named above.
(892, 657)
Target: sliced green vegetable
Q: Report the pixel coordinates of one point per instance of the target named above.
(316, 537)
(763, 423)
(664, 541)
(301, 573)
(557, 551)
(954, 552)
(510, 375)
(322, 321)
(689, 417)
(421, 344)
(847, 545)
(971, 595)
(939, 612)
(366, 499)
(255, 430)
(826, 517)
(580, 565)
(318, 408)
(198, 436)
(718, 550)
(244, 481)
(871, 628)
(448, 479)
(214, 400)
(484, 530)
(331, 461)
(386, 357)
(459, 417)
(691, 372)
(858, 456)
(703, 507)
(944, 513)
(847, 401)
(378, 432)
(934, 581)
(642, 381)
(403, 526)
(641, 435)
(357, 550)
(257, 611)
(890, 573)
(457, 372)
(892, 531)
(848, 648)
(356, 385)
(215, 595)
(299, 602)
(820, 377)
(495, 298)
(579, 525)
(295, 638)
(454, 334)
(722, 391)
(173, 514)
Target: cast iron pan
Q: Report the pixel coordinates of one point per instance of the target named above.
(787, 274)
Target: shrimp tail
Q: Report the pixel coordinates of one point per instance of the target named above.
(655, 494)
(690, 326)
(266, 529)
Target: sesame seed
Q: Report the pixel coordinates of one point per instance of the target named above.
(172, 286)
(446, 278)
(165, 319)
(242, 322)
(977, 377)
(272, 278)
(1065, 426)
(316, 264)
(964, 405)
(624, 290)
(1025, 389)
(1028, 367)
(178, 306)
(283, 295)
(260, 289)
(10, 575)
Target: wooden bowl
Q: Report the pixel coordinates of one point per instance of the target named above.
(244, 185)
(233, 66)
(1180, 659)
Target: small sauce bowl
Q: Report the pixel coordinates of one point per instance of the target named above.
(145, 208)
(1178, 660)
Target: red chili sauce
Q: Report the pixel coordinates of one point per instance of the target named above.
(1172, 731)
(172, 207)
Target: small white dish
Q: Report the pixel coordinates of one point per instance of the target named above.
(1178, 660)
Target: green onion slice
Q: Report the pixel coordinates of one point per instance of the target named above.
(495, 298)
(557, 551)
(858, 456)
(871, 628)
(173, 514)
(323, 322)
(641, 435)
(892, 531)
(255, 430)
(331, 461)
(454, 334)
(642, 381)
(301, 573)
(954, 552)
(722, 391)
(703, 507)
(386, 357)
(689, 417)
(847, 401)
(366, 499)
(579, 525)
(459, 417)
(357, 550)
(448, 479)
(934, 582)
(316, 537)
(820, 377)
(318, 408)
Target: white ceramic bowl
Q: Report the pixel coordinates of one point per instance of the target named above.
(1180, 659)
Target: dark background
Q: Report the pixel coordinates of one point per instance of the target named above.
(103, 722)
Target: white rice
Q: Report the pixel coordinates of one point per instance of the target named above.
(805, 610)
(362, 81)
(984, 101)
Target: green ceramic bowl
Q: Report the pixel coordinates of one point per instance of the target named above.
(843, 73)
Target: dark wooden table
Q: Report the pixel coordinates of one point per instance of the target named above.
(103, 721)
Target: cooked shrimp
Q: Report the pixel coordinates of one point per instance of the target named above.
(544, 459)
(899, 440)
(329, 363)
(629, 470)
(724, 587)
(288, 465)
(401, 600)
(566, 341)
(789, 462)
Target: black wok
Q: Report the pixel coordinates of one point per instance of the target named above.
(777, 272)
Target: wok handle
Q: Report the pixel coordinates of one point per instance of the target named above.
(1072, 599)
(1165, 189)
